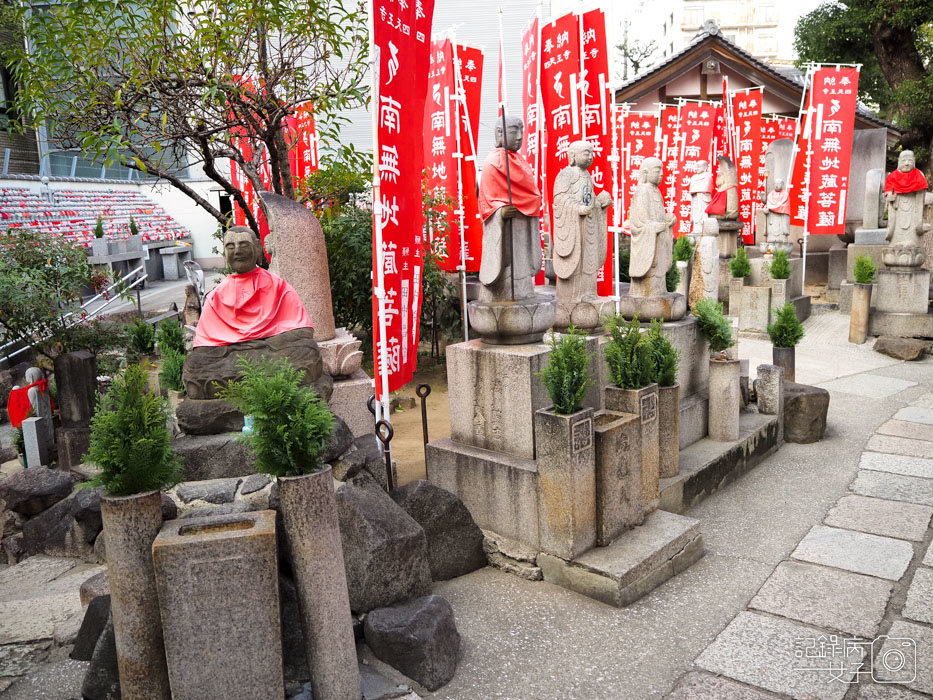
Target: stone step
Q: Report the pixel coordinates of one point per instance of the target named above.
(634, 565)
(707, 465)
(694, 419)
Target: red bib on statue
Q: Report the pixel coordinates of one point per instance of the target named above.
(249, 307)
(717, 205)
(494, 187)
(900, 182)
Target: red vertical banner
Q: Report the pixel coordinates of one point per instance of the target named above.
(469, 72)
(639, 139)
(697, 122)
(834, 93)
(303, 155)
(532, 148)
(800, 170)
(402, 37)
(746, 113)
(773, 129)
(669, 153)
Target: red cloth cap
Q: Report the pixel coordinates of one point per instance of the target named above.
(900, 182)
(494, 188)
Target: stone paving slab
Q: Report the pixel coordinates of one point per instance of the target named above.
(915, 414)
(31, 573)
(923, 401)
(907, 446)
(919, 605)
(887, 692)
(840, 601)
(760, 650)
(879, 516)
(928, 559)
(34, 619)
(917, 655)
(903, 428)
(19, 659)
(858, 552)
(702, 686)
(897, 464)
(869, 386)
(893, 486)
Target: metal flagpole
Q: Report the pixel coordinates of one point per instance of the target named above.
(505, 148)
(808, 133)
(460, 99)
(618, 113)
(583, 83)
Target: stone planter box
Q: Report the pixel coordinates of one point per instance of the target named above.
(131, 524)
(619, 502)
(735, 295)
(668, 430)
(217, 579)
(566, 461)
(100, 248)
(784, 358)
(779, 296)
(643, 403)
(725, 400)
(860, 312)
(309, 512)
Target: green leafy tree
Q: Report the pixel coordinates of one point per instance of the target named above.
(893, 40)
(739, 266)
(779, 267)
(714, 325)
(786, 331)
(665, 358)
(864, 269)
(565, 376)
(129, 441)
(683, 249)
(292, 425)
(160, 85)
(629, 356)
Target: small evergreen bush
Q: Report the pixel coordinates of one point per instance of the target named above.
(19, 442)
(565, 375)
(170, 336)
(99, 227)
(134, 229)
(864, 269)
(170, 372)
(672, 278)
(714, 325)
(683, 249)
(786, 331)
(628, 355)
(739, 266)
(292, 425)
(129, 440)
(779, 269)
(665, 357)
(625, 257)
(141, 337)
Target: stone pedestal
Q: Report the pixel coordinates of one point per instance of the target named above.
(769, 388)
(619, 501)
(727, 240)
(513, 322)
(341, 354)
(667, 307)
(668, 430)
(870, 236)
(725, 400)
(861, 310)
(587, 314)
(35, 436)
(644, 403)
(566, 482)
(349, 402)
(903, 291)
(76, 379)
(837, 265)
(755, 308)
(217, 579)
(736, 285)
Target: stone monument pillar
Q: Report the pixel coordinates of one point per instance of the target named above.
(579, 242)
(705, 280)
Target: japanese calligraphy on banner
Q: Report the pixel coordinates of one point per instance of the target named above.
(773, 129)
(639, 141)
(800, 169)
(452, 104)
(832, 113)
(532, 146)
(697, 122)
(669, 153)
(746, 115)
(402, 35)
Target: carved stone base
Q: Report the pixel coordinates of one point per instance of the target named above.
(513, 322)
(586, 314)
(667, 307)
(341, 355)
(903, 257)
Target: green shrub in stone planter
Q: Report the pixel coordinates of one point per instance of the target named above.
(99, 227)
(628, 355)
(779, 268)
(864, 269)
(714, 325)
(565, 376)
(141, 337)
(173, 362)
(292, 425)
(170, 335)
(739, 266)
(683, 249)
(786, 331)
(665, 358)
(672, 278)
(134, 229)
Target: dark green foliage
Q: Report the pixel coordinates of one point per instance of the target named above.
(141, 337)
(665, 358)
(779, 268)
(672, 278)
(134, 229)
(565, 375)
(786, 331)
(129, 441)
(97, 337)
(631, 365)
(292, 425)
(714, 325)
(864, 269)
(625, 256)
(99, 227)
(349, 238)
(170, 370)
(170, 336)
(19, 442)
(683, 249)
(739, 266)
(340, 176)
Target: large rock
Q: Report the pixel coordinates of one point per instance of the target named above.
(418, 638)
(67, 529)
(340, 441)
(31, 491)
(13, 548)
(212, 490)
(208, 417)
(95, 587)
(102, 681)
(213, 456)
(384, 550)
(900, 348)
(364, 456)
(92, 626)
(455, 542)
(805, 409)
(210, 366)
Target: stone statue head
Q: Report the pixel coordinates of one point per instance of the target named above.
(652, 169)
(726, 174)
(906, 161)
(581, 154)
(701, 167)
(241, 249)
(514, 130)
(779, 184)
(34, 374)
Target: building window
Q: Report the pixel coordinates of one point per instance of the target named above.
(693, 17)
(767, 14)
